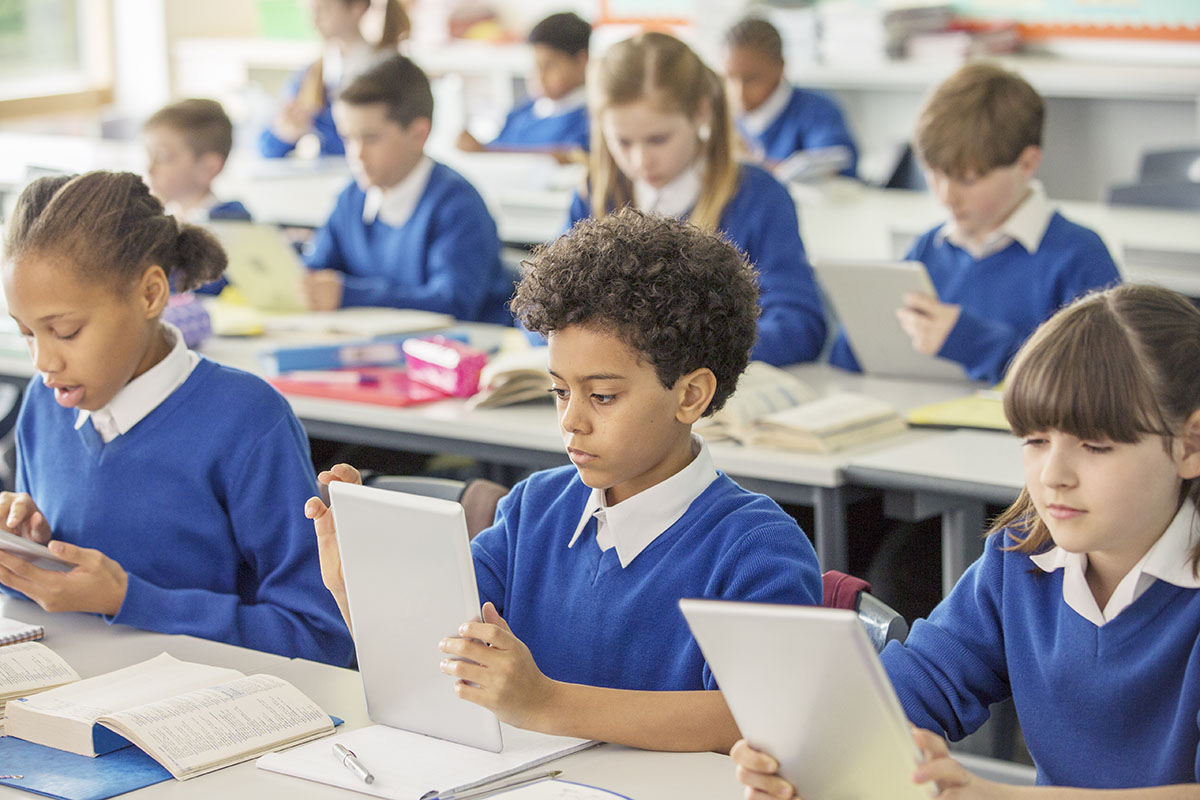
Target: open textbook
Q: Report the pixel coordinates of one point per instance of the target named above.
(191, 718)
(513, 377)
(28, 668)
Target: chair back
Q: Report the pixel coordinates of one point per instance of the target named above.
(479, 497)
(882, 622)
(1169, 166)
(1180, 194)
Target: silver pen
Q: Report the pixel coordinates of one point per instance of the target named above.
(491, 788)
(351, 762)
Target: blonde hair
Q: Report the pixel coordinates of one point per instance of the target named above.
(396, 26)
(980, 118)
(1115, 365)
(660, 68)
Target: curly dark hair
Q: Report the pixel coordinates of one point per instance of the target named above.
(683, 297)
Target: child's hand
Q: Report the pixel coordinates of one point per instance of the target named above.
(97, 584)
(928, 321)
(951, 778)
(758, 772)
(499, 673)
(327, 547)
(469, 143)
(292, 122)
(20, 515)
(323, 289)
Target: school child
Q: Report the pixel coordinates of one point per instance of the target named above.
(1006, 259)
(408, 232)
(663, 143)
(170, 482)
(775, 118)
(1085, 607)
(187, 143)
(555, 116)
(650, 322)
(346, 54)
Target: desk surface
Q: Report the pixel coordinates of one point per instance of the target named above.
(93, 647)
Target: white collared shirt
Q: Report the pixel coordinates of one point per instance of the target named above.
(634, 523)
(144, 393)
(197, 214)
(1026, 225)
(1168, 559)
(544, 107)
(756, 121)
(673, 200)
(394, 206)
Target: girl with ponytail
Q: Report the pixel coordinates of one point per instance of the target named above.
(171, 485)
(347, 54)
(662, 141)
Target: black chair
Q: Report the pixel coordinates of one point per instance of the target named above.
(1184, 195)
(906, 173)
(478, 497)
(1170, 166)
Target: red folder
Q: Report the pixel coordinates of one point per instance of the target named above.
(384, 386)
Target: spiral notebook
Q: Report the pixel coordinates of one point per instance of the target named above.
(13, 631)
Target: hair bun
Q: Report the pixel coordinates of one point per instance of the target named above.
(199, 258)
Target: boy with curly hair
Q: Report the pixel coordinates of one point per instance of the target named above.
(650, 322)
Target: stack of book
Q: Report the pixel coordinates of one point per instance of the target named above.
(29, 668)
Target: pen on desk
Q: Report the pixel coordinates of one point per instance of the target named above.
(351, 762)
(492, 788)
(332, 377)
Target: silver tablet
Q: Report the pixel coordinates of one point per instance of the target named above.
(263, 266)
(865, 296)
(37, 554)
(805, 685)
(410, 581)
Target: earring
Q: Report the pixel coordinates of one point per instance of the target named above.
(704, 132)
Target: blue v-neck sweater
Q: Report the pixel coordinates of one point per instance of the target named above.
(586, 620)
(524, 129)
(760, 220)
(445, 258)
(809, 120)
(1101, 707)
(201, 502)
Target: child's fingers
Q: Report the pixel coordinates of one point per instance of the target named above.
(466, 671)
(314, 509)
(75, 554)
(932, 745)
(767, 785)
(945, 773)
(746, 756)
(492, 617)
(19, 510)
(920, 302)
(488, 633)
(466, 648)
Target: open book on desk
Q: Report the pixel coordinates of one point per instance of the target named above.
(410, 766)
(191, 718)
(28, 668)
(513, 377)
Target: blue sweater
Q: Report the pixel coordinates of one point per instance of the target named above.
(271, 146)
(524, 129)
(445, 258)
(1006, 295)
(809, 120)
(201, 503)
(586, 620)
(761, 221)
(1101, 707)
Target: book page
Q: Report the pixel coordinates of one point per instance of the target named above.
(210, 728)
(32, 666)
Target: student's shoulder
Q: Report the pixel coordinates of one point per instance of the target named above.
(545, 486)
(1065, 233)
(757, 185)
(522, 109)
(238, 395)
(230, 209)
(729, 510)
(810, 99)
(447, 183)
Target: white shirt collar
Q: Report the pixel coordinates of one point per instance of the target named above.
(673, 200)
(394, 205)
(544, 107)
(1168, 559)
(197, 214)
(144, 393)
(756, 121)
(634, 523)
(1026, 225)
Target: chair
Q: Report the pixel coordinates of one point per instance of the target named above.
(906, 172)
(882, 622)
(1179, 194)
(1170, 166)
(478, 497)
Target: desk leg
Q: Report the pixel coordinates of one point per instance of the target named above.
(829, 528)
(962, 540)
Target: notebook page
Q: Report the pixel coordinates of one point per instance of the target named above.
(31, 666)
(12, 630)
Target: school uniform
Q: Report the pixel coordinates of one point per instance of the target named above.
(542, 123)
(194, 479)
(760, 219)
(1106, 698)
(792, 119)
(428, 243)
(593, 590)
(1032, 265)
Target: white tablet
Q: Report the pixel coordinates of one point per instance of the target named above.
(805, 685)
(37, 554)
(263, 265)
(865, 296)
(410, 581)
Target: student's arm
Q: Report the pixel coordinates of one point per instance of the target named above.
(462, 263)
(825, 126)
(283, 608)
(327, 251)
(983, 345)
(277, 140)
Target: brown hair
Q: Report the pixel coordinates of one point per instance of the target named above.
(1115, 365)
(109, 228)
(566, 32)
(396, 26)
(682, 297)
(398, 84)
(660, 67)
(980, 118)
(203, 123)
(757, 34)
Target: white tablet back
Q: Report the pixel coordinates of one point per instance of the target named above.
(805, 685)
(865, 295)
(262, 265)
(410, 581)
